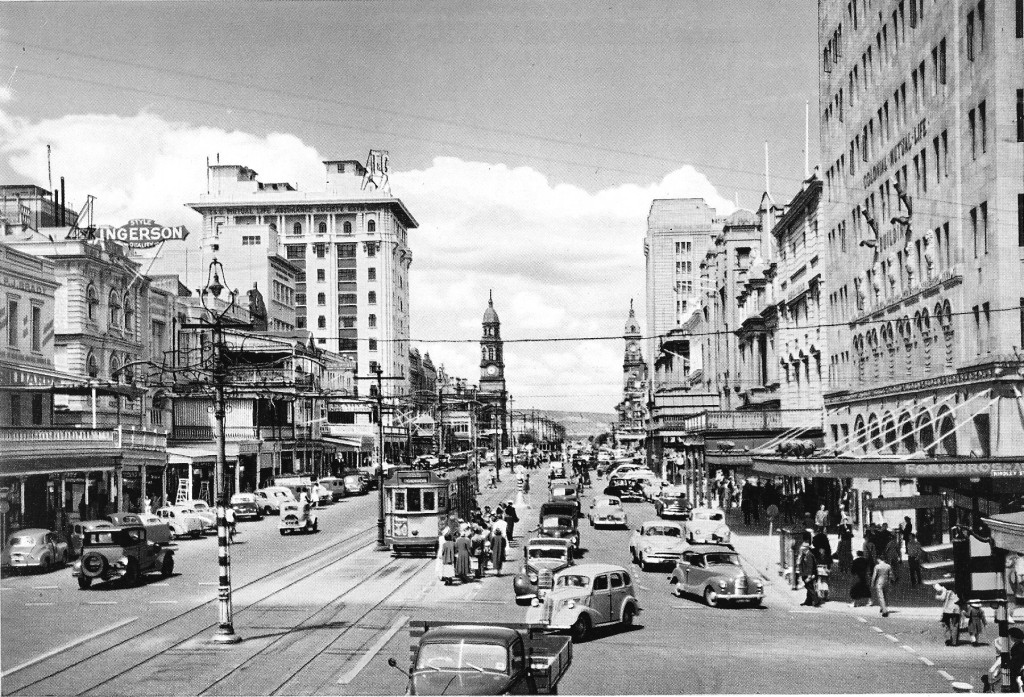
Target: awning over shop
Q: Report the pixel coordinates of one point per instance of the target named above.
(888, 468)
(1007, 531)
(191, 455)
(346, 443)
(55, 465)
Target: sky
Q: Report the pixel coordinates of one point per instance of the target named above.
(528, 139)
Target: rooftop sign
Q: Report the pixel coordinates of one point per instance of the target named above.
(141, 232)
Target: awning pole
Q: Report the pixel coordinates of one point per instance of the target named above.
(94, 407)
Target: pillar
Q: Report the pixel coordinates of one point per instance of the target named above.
(119, 476)
(190, 496)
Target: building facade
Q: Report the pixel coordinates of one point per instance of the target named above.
(350, 245)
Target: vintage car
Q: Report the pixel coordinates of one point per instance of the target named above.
(35, 548)
(568, 494)
(157, 531)
(607, 511)
(297, 517)
(543, 557)
(715, 573)
(245, 506)
(204, 511)
(625, 489)
(645, 479)
(182, 520)
(356, 484)
(271, 498)
(78, 531)
(656, 542)
(121, 553)
(560, 519)
(335, 485)
(585, 597)
(620, 469)
(672, 506)
(707, 525)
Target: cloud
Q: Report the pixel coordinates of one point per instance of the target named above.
(561, 261)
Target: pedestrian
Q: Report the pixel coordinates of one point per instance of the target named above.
(807, 566)
(880, 579)
(229, 520)
(870, 550)
(448, 559)
(1016, 635)
(950, 613)
(808, 521)
(915, 555)
(906, 530)
(773, 514)
(822, 549)
(893, 556)
(975, 621)
(745, 498)
(845, 548)
(463, 557)
(498, 524)
(497, 551)
(482, 551)
(860, 592)
(440, 548)
(821, 519)
(494, 480)
(511, 518)
(147, 506)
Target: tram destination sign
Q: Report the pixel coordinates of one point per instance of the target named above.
(142, 232)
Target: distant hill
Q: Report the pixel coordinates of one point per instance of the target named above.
(577, 424)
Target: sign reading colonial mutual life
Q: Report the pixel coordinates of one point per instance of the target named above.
(142, 232)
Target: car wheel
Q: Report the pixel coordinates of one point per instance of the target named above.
(316, 525)
(46, 565)
(196, 534)
(282, 532)
(131, 574)
(581, 628)
(84, 582)
(710, 597)
(755, 603)
(677, 590)
(167, 568)
(628, 615)
(643, 563)
(632, 555)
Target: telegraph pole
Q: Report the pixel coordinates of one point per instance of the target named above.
(378, 375)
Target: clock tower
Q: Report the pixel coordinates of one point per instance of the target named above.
(634, 382)
(492, 368)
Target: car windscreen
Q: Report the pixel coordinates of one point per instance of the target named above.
(482, 658)
(113, 537)
(716, 516)
(663, 530)
(547, 552)
(556, 522)
(723, 558)
(21, 540)
(563, 491)
(573, 581)
(609, 502)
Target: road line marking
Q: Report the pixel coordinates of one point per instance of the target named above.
(891, 638)
(36, 604)
(877, 629)
(946, 675)
(861, 619)
(163, 602)
(373, 650)
(925, 661)
(802, 612)
(5, 588)
(67, 647)
(159, 585)
(911, 649)
(100, 602)
(644, 588)
(45, 588)
(207, 583)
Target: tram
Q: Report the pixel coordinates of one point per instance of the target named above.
(418, 504)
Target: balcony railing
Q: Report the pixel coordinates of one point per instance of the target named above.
(246, 433)
(18, 441)
(773, 420)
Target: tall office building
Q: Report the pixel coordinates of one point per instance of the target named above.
(349, 243)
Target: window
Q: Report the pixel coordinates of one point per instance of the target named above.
(251, 240)
(1020, 114)
(16, 410)
(983, 222)
(974, 230)
(321, 229)
(982, 118)
(373, 344)
(300, 322)
(129, 314)
(12, 323)
(347, 299)
(300, 298)
(321, 299)
(321, 322)
(92, 366)
(346, 251)
(942, 62)
(371, 225)
(348, 322)
(37, 328)
(371, 249)
(371, 274)
(321, 275)
(37, 410)
(295, 251)
(1020, 19)
(347, 275)
(1020, 220)
(297, 229)
(114, 309)
(372, 320)
(371, 297)
(601, 583)
(346, 227)
(972, 125)
(970, 35)
(92, 299)
(981, 26)
(320, 249)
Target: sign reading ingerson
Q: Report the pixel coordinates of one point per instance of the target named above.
(142, 232)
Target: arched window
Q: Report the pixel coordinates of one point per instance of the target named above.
(908, 438)
(347, 228)
(371, 297)
(114, 365)
(114, 315)
(129, 371)
(371, 226)
(946, 433)
(129, 314)
(321, 298)
(860, 433)
(875, 432)
(92, 300)
(92, 366)
(889, 432)
(926, 433)
(297, 229)
(321, 322)
(322, 228)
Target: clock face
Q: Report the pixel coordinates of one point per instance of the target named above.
(492, 370)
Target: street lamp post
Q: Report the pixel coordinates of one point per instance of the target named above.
(378, 375)
(225, 631)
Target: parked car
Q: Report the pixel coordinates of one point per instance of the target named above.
(182, 520)
(245, 506)
(157, 531)
(715, 573)
(78, 531)
(205, 512)
(297, 517)
(335, 485)
(355, 484)
(270, 498)
(543, 557)
(587, 596)
(607, 511)
(121, 553)
(707, 525)
(35, 548)
(672, 506)
(656, 542)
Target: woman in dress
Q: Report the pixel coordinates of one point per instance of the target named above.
(448, 560)
(463, 554)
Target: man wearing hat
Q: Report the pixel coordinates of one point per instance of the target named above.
(1016, 657)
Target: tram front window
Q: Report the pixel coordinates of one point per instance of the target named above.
(414, 502)
(428, 501)
(399, 500)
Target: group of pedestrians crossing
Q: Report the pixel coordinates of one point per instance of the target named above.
(483, 539)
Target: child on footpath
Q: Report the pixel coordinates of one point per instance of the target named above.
(975, 617)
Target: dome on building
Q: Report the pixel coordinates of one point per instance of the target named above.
(632, 326)
(490, 316)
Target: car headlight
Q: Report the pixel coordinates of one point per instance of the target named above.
(532, 577)
(535, 602)
(570, 604)
(721, 584)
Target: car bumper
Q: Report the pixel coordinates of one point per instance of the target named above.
(662, 557)
(26, 563)
(740, 596)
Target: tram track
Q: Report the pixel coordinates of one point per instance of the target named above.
(358, 538)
